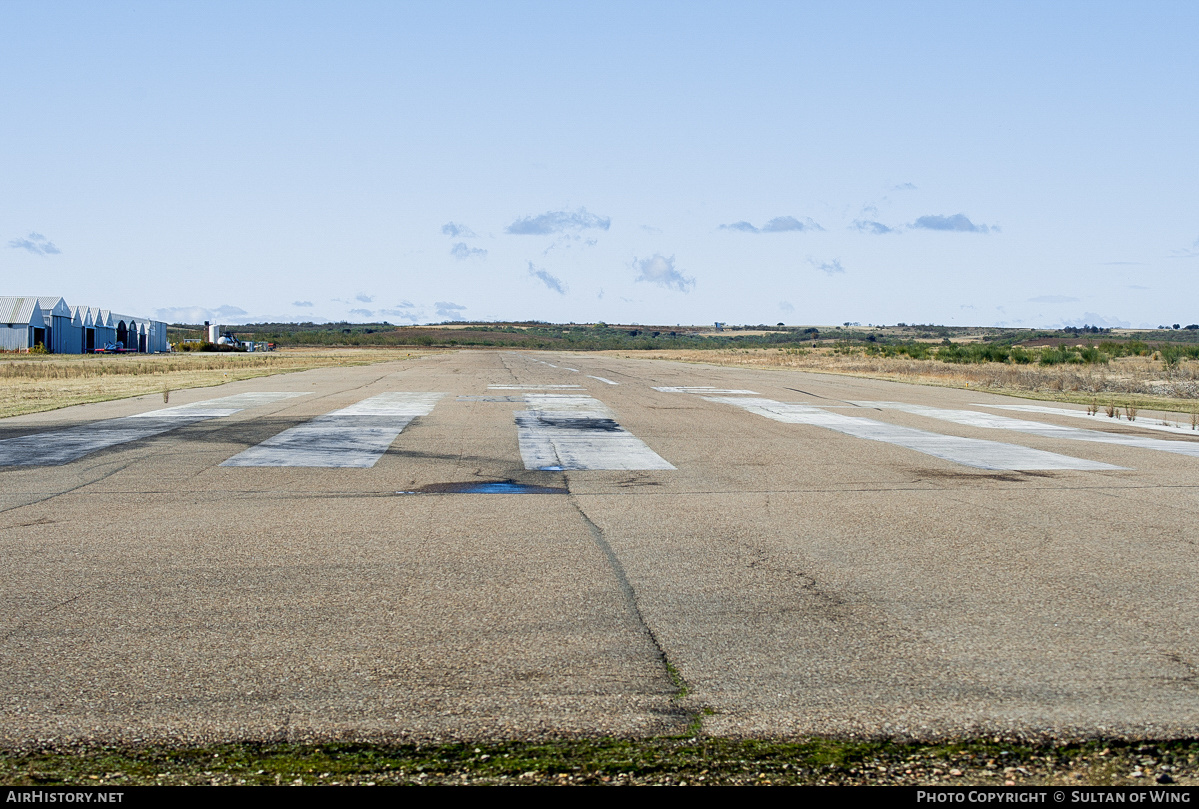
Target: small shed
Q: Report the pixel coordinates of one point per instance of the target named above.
(64, 336)
(22, 324)
(158, 336)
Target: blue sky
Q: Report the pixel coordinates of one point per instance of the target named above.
(1030, 164)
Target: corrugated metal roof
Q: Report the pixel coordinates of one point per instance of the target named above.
(21, 310)
(52, 306)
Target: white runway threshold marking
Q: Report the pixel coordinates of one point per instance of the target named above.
(974, 452)
(63, 446)
(706, 390)
(354, 437)
(1167, 427)
(532, 387)
(990, 421)
(574, 431)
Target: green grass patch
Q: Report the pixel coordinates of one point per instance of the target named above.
(696, 760)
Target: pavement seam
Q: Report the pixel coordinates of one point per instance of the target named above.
(682, 687)
(105, 476)
(24, 625)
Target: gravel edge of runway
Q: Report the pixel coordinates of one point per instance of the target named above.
(606, 761)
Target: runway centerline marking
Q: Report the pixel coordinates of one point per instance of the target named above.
(601, 379)
(59, 447)
(574, 431)
(990, 421)
(974, 452)
(353, 437)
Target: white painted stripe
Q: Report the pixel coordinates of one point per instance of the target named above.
(572, 370)
(63, 446)
(707, 391)
(601, 379)
(491, 398)
(226, 404)
(990, 421)
(564, 431)
(1167, 427)
(571, 402)
(530, 387)
(353, 437)
(973, 452)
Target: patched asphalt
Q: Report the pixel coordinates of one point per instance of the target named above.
(782, 579)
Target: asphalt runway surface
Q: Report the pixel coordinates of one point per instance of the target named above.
(488, 545)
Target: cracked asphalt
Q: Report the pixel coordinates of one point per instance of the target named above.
(784, 579)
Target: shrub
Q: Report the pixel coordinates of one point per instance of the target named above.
(1091, 355)
(951, 353)
(1059, 355)
(1171, 354)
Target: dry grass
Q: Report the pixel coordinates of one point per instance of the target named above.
(31, 384)
(1126, 382)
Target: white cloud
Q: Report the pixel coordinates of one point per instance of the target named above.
(457, 231)
(405, 311)
(551, 282)
(783, 224)
(558, 222)
(957, 222)
(831, 267)
(1093, 319)
(198, 314)
(660, 270)
(448, 310)
(1190, 252)
(35, 243)
(462, 252)
(780, 224)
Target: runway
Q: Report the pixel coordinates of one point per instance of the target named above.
(487, 545)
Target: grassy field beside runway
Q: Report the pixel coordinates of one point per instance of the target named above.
(1140, 382)
(33, 383)
(695, 761)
